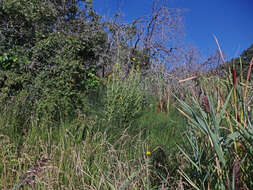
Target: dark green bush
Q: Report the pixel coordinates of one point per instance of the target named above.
(49, 51)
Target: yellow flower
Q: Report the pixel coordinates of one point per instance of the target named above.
(117, 78)
(134, 59)
(121, 98)
(116, 64)
(148, 153)
(110, 76)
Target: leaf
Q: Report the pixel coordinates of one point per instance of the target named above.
(182, 173)
(188, 157)
(220, 115)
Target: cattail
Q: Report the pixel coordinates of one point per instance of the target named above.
(206, 104)
(234, 77)
(237, 173)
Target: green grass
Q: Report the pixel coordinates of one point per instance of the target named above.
(185, 148)
(163, 129)
(82, 155)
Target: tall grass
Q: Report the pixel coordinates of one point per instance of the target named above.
(77, 156)
(57, 159)
(219, 137)
(122, 142)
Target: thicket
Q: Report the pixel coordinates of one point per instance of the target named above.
(88, 103)
(54, 53)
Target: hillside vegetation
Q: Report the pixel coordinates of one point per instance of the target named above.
(89, 103)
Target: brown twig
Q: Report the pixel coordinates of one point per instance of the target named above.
(187, 79)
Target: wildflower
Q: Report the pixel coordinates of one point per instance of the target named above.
(134, 59)
(117, 78)
(148, 153)
(137, 69)
(110, 76)
(121, 98)
(116, 64)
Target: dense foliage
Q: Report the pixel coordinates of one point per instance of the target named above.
(48, 53)
(87, 103)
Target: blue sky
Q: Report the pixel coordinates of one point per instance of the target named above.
(230, 20)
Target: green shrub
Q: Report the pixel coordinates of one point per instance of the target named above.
(125, 98)
(44, 56)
